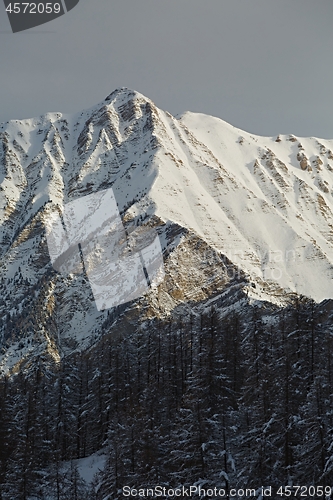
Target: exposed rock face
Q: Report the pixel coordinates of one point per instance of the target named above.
(303, 161)
(230, 208)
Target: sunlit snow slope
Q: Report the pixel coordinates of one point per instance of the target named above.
(268, 203)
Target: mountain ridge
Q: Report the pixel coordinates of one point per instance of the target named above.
(229, 207)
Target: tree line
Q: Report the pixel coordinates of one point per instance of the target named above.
(240, 400)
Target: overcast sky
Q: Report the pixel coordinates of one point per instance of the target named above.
(264, 66)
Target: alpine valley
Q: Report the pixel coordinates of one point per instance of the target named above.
(221, 376)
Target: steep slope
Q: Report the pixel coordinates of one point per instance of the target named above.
(281, 206)
(230, 208)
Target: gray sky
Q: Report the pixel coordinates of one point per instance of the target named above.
(263, 65)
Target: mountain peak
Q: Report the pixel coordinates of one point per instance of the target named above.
(124, 91)
(264, 205)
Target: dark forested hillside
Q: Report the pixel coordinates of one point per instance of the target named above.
(241, 400)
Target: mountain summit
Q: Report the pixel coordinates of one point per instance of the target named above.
(233, 211)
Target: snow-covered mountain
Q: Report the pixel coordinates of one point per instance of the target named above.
(233, 211)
